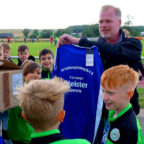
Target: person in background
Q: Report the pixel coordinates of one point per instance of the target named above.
(4, 114)
(51, 40)
(55, 41)
(23, 53)
(46, 59)
(1, 53)
(42, 106)
(25, 40)
(18, 128)
(8, 40)
(118, 84)
(141, 68)
(6, 49)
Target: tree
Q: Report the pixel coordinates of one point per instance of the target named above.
(35, 34)
(91, 31)
(60, 32)
(26, 32)
(129, 21)
(46, 33)
(128, 25)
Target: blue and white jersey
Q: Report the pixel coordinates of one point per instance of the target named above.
(82, 69)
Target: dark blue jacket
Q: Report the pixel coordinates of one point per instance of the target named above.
(124, 51)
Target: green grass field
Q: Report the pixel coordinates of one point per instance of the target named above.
(35, 47)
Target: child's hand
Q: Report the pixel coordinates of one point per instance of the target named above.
(1, 63)
(6, 108)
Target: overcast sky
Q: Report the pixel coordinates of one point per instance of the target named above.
(54, 14)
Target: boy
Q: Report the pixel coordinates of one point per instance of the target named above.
(23, 53)
(1, 53)
(122, 127)
(42, 104)
(6, 49)
(46, 59)
(4, 114)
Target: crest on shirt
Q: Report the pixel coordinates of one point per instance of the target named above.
(115, 134)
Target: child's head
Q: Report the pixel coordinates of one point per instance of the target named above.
(1, 53)
(6, 49)
(31, 70)
(46, 58)
(42, 103)
(23, 52)
(118, 84)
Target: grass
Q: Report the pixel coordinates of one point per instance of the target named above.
(141, 96)
(35, 47)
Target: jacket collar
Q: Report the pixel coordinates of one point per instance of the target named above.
(121, 37)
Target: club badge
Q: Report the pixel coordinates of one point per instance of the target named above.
(115, 134)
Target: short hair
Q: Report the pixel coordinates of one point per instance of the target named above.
(42, 101)
(29, 66)
(44, 52)
(118, 76)
(5, 46)
(1, 50)
(126, 32)
(116, 9)
(22, 48)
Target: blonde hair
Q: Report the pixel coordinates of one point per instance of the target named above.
(126, 32)
(1, 53)
(118, 76)
(5, 46)
(116, 9)
(42, 101)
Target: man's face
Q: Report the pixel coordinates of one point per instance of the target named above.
(115, 99)
(23, 55)
(1, 54)
(6, 54)
(109, 24)
(47, 61)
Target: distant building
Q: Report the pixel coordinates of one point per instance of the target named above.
(76, 34)
(5, 35)
(142, 33)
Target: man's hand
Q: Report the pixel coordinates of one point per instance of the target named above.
(67, 39)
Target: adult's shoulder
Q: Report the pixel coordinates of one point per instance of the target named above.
(134, 40)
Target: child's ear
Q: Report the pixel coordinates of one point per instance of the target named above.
(23, 116)
(61, 116)
(130, 94)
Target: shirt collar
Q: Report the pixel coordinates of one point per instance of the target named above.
(112, 112)
(44, 133)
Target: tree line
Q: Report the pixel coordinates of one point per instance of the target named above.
(78, 31)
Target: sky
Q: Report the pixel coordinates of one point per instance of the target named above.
(55, 14)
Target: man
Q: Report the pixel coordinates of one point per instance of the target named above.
(113, 46)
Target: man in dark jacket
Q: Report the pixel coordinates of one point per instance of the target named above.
(113, 46)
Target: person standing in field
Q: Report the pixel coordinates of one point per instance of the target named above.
(51, 40)
(8, 40)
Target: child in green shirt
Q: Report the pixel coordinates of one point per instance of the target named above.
(19, 129)
(42, 104)
(122, 127)
(46, 59)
